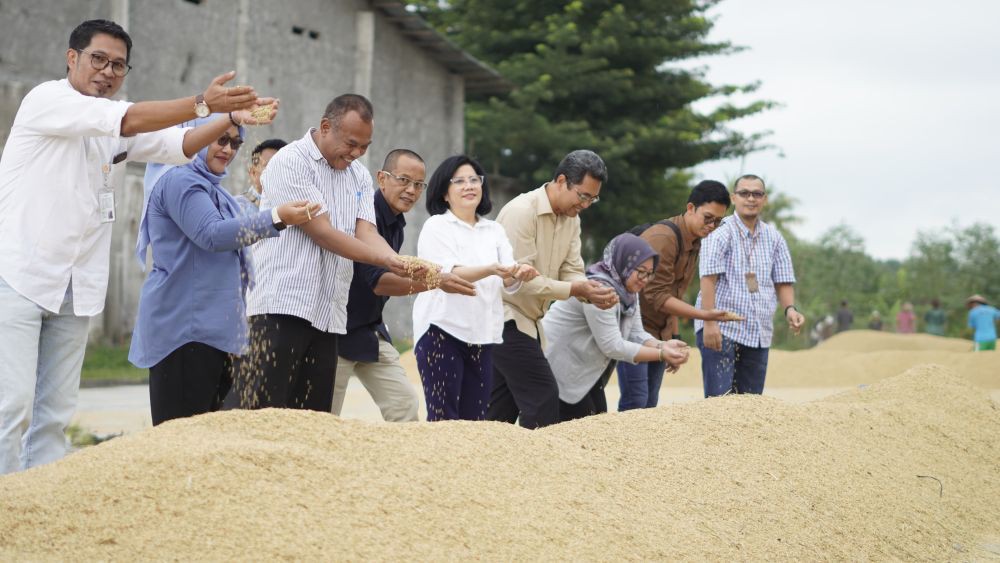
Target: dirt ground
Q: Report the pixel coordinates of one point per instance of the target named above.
(904, 465)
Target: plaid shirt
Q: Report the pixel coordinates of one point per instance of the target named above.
(730, 252)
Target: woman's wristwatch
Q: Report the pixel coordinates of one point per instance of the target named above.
(279, 225)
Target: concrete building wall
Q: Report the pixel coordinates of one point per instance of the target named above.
(304, 52)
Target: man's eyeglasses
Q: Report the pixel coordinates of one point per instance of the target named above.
(748, 194)
(101, 61)
(234, 142)
(471, 181)
(584, 198)
(643, 275)
(711, 219)
(406, 182)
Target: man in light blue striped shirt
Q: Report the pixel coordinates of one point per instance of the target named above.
(745, 268)
(298, 304)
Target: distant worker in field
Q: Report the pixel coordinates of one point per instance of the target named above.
(875, 322)
(906, 320)
(249, 200)
(745, 268)
(982, 320)
(677, 242)
(845, 318)
(935, 319)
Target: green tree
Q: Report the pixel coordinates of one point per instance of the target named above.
(601, 75)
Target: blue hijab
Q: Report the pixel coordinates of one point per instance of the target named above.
(621, 257)
(195, 173)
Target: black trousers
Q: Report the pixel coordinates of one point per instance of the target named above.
(523, 383)
(192, 379)
(594, 402)
(290, 364)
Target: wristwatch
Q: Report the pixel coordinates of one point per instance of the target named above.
(279, 225)
(200, 107)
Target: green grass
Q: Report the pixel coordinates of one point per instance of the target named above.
(110, 364)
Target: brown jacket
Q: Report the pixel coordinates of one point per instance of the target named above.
(673, 275)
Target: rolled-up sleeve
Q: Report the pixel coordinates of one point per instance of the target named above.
(607, 334)
(165, 146)
(437, 244)
(520, 228)
(714, 251)
(783, 271)
(57, 109)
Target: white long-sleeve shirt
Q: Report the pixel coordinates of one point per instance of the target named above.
(582, 339)
(51, 172)
(447, 240)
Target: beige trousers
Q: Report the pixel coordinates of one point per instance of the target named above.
(385, 381)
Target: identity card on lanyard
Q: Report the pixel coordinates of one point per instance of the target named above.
(750, 275)
(106, 197)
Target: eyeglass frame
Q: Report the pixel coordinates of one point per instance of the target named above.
(644, 275)
(751, 194)
(584, 198)
(234, 142)
(462, 182)
(108, 61)
(407, 182)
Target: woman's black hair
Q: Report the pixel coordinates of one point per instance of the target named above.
(440, 181)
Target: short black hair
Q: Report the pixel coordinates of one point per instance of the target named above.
(440, 181)
(272, 144)
(341, 105)
(579, 164)
(709, 191)
(750, 177)
(81, 37)
(390, 159)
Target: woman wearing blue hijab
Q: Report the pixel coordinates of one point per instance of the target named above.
(191, 309)
(584, 342)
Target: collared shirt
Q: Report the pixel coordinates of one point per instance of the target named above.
(56, 162)
(194, 292)
(364, 308)
(582, 339)
(730, 252)
(673, 275)
(982, 319)
(294, 275)
(447, 240)
(550, 243)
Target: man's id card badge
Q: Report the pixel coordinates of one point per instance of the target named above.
(106, 197)
(752, 282)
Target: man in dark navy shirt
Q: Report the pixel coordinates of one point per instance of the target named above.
(366, 351)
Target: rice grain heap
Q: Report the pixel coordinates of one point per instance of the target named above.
(904, 469)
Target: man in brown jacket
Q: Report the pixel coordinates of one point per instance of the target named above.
(677, 240)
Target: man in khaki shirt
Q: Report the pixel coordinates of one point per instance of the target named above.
(662, 300)
(544, 228)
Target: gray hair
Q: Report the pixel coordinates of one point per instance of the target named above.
(579, 164)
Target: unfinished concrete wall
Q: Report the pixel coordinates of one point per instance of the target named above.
(304, 52)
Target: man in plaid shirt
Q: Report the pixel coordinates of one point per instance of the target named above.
(745, 268)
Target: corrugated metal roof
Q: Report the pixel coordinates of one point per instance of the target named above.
(480, 78)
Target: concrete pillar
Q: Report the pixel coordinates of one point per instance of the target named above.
(364, 57)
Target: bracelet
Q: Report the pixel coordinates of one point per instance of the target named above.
(661, 351)
(233, 121)
(790, 307)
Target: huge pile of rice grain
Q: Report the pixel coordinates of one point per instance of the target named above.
(904, 469)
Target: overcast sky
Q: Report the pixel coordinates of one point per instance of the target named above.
(891, 111)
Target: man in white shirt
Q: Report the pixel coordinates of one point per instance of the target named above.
(62, 163)
(298, 304)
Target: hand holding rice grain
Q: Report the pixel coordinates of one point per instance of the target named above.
(418, 269)
(262, 112)
(298, 212)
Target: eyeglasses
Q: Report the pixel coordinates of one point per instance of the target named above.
(711, 219)
(748, 194)
(584, 198)
(234, 142)
(101, 61)
(643, 275)
(471, 181)
(406, 182)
